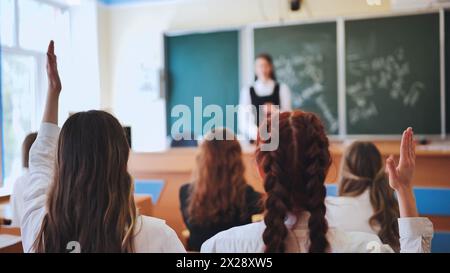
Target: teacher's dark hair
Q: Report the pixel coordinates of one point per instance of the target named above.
(268, 59)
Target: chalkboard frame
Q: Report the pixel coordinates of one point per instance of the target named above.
(446, 68)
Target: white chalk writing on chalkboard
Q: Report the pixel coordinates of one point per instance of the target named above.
(388, 74)
(305, 76)
(333, 123)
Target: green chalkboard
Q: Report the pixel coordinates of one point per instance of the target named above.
(202, 65)
(393, 75)
(305, 59)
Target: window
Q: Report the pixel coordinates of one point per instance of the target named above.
(18, 88)
(7, 22)
(26, 27)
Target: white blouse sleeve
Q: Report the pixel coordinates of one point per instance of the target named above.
(246, 118)
(221, 244)
(209, 246)
(16, 201)
(285, 98)
(415, 234)
(172, 244)
(240, 239)
(41, 168)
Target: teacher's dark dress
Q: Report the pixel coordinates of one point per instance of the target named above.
(199, 233)
(257, 101)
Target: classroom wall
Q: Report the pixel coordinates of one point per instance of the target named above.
(131, 37)
(81, 76)
(78, 65)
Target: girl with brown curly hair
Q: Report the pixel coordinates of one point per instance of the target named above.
(219, 197)
(294, 180)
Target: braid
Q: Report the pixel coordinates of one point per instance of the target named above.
(316, 160)
(294, 180)
(277, 206)
(318, 226)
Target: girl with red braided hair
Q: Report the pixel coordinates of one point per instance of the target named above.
(294, 180)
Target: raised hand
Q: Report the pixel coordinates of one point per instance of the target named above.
(400, 176)
(54, 82)
(54, 87)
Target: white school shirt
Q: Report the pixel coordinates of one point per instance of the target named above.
(247, 119)
(151, 234)
(415, 236)
(350, 213)
(17, 198)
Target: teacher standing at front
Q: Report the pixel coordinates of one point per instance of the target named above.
(264, 91)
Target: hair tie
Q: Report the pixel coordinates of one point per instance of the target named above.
(381, 174)
(348, 175)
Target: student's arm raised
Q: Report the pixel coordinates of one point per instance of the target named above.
(42, 159)
(415, 232)
(400, 176)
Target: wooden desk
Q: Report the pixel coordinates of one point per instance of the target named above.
(175, 167)
(15, 248)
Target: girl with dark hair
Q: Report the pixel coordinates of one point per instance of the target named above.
(265, 92)
(365, 201)
(294, 180)
(219, 197)
(79, 192)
